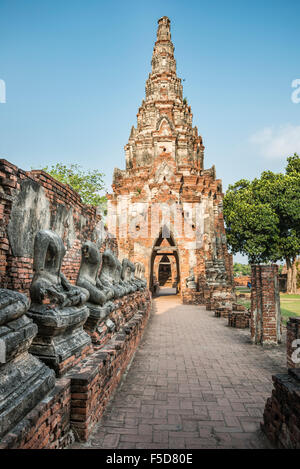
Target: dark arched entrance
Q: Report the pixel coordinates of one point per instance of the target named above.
(165, 272)
(165, 257)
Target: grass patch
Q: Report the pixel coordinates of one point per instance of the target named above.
(289, 304)
(242, 289)
(285, 296)
(244, 301)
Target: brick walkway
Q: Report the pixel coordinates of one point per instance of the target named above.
(194, 383)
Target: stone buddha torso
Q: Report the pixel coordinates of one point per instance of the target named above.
(88, 273)
(132, 278)
(117, 278)
(126, 276)
(105, 276)
(57, 307)
(49, 285)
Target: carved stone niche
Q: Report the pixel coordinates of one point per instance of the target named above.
(190, 281)
(58, 308)
(24, 380)
(98, 305)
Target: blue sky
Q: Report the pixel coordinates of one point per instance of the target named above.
(75, 74)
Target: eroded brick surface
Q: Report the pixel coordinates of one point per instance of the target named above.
(194, 383)
(265, 324)
(282, 412)
(293, 336)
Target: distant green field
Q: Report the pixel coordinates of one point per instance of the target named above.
(289, 304)
(242, 289)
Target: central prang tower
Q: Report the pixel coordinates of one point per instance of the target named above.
(166, 208)
(164, 120)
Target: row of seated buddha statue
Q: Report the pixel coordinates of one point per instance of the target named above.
(61, 309)
(52, 327)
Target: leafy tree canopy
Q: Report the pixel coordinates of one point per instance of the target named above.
(263, 216)
(293, 164)
(241, 269)
(87, 183)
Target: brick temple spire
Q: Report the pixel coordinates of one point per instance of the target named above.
(163, 53)
(163, 30)
(164, 175)
(164, 120)
(163, 82)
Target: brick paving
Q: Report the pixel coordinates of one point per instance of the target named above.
(194, 383)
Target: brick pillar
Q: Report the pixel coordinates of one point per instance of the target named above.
(255, 320)
(292, 333)
(265, 305)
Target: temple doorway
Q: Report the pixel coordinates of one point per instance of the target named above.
(164, 268)
(165, 272)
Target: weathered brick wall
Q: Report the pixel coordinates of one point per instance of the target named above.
(47, 426)
(62, 368)
(265, 305)
(292, 334)
(192, 297)
(221, 313)
(239, 319)
(94, 381)
(282, 411)
(30, 201)
(125, 308)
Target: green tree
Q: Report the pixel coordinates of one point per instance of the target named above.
(263, 218)
(87, 184)
(241, 269)
(293, 165)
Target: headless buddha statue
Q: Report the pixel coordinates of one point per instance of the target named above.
(24, 380)
(58, 308)
(98, 305)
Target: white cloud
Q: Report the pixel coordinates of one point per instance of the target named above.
(279, 142)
